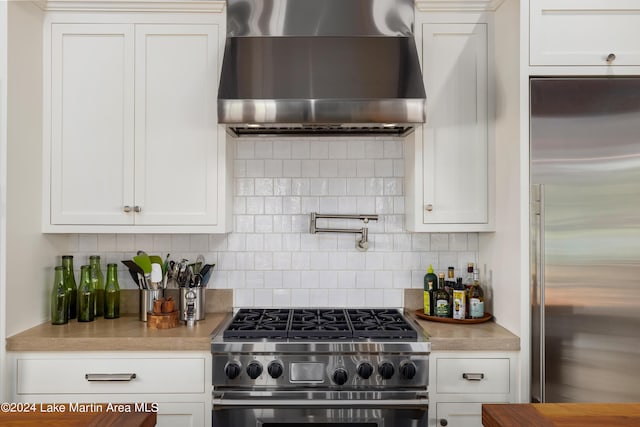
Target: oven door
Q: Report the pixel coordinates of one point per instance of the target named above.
(321, 409)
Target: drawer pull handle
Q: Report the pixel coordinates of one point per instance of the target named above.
(109, 377)
(472, 377)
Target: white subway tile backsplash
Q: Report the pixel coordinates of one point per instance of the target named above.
(365, 168)
(263, 149)
(292, 168)
(264, 186)
(328, 168)
(319, 149)
(107, 243)
(264, 297)
(264, 224)
(282, 149)
(300, 150)
(301, 297)
(255, 168)
(310, 168)
(347, 168)
(282, 298)
(271, 259)
(245, 149)
(273, 168)
(393, 149)
(245, 261)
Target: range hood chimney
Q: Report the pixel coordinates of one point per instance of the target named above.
(320, 67)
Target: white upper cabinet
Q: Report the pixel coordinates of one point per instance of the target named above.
(176, 170)
(584, 32)
(133, 143)
(449, 184)
(91, 142)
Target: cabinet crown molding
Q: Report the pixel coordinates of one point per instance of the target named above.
(457, 5)
(188, 6)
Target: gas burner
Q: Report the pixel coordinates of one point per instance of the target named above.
(249, 324)
(319, 324)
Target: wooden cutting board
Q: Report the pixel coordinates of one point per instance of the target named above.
(59, 414)
(561, 415)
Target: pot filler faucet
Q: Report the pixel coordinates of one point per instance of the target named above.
(362, 244)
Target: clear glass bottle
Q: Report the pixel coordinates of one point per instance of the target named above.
(70, 284)
(59, 299)
(112, 293)
(98, 284)
(86, 296)
(476, 298)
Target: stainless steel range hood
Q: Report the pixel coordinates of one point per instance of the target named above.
(320, 67)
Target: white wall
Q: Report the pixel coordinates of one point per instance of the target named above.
(30, 254)
(499, 251)
(271, 259)
(3, 191)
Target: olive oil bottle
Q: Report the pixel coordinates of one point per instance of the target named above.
(430, 283)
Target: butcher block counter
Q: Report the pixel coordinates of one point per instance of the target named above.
(63, 414)
(561, 415)
(124, 334)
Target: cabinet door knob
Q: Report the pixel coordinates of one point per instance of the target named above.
(611, 57)
(428, 207)
(137, 209)
(127, 208)
(443, 422)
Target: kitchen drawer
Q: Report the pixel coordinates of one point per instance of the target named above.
(584, 32)
(451, 373)
(152, 375)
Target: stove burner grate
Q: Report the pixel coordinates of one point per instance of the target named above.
(319, 324)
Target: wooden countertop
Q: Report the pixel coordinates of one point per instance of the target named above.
(488, 336)
(129, 334)
(101, 414)
(561, 415)
(124, 334)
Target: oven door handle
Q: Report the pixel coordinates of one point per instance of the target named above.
(222, 403)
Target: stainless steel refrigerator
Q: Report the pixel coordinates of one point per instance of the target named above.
(585, 239)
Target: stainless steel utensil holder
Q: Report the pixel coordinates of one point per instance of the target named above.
(362, 244)
(147, 296)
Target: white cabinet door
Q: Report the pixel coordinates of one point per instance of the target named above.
(585, 32)
(467, 414)
(91, 146)
(176, 169)
(455, 140)
(182, 414)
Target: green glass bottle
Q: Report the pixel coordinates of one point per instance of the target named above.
(430, 284)
(112, 293)
(97, 279)
(441, 306)
(86, 296)
(59, 299)
(70, 284)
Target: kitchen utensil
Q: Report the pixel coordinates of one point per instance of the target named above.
(155, 259)
(156, 275)
(136, 272)
(206, 273)
(144, 262)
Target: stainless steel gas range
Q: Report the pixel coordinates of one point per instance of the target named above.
(320, 367)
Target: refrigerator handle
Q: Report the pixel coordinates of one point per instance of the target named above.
(539, 282)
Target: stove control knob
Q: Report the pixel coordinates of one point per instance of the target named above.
(232, 370)
(408, 370)
(254, 369)
(340, 376)
(365, 370)
(386, 370)
(275, 369)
